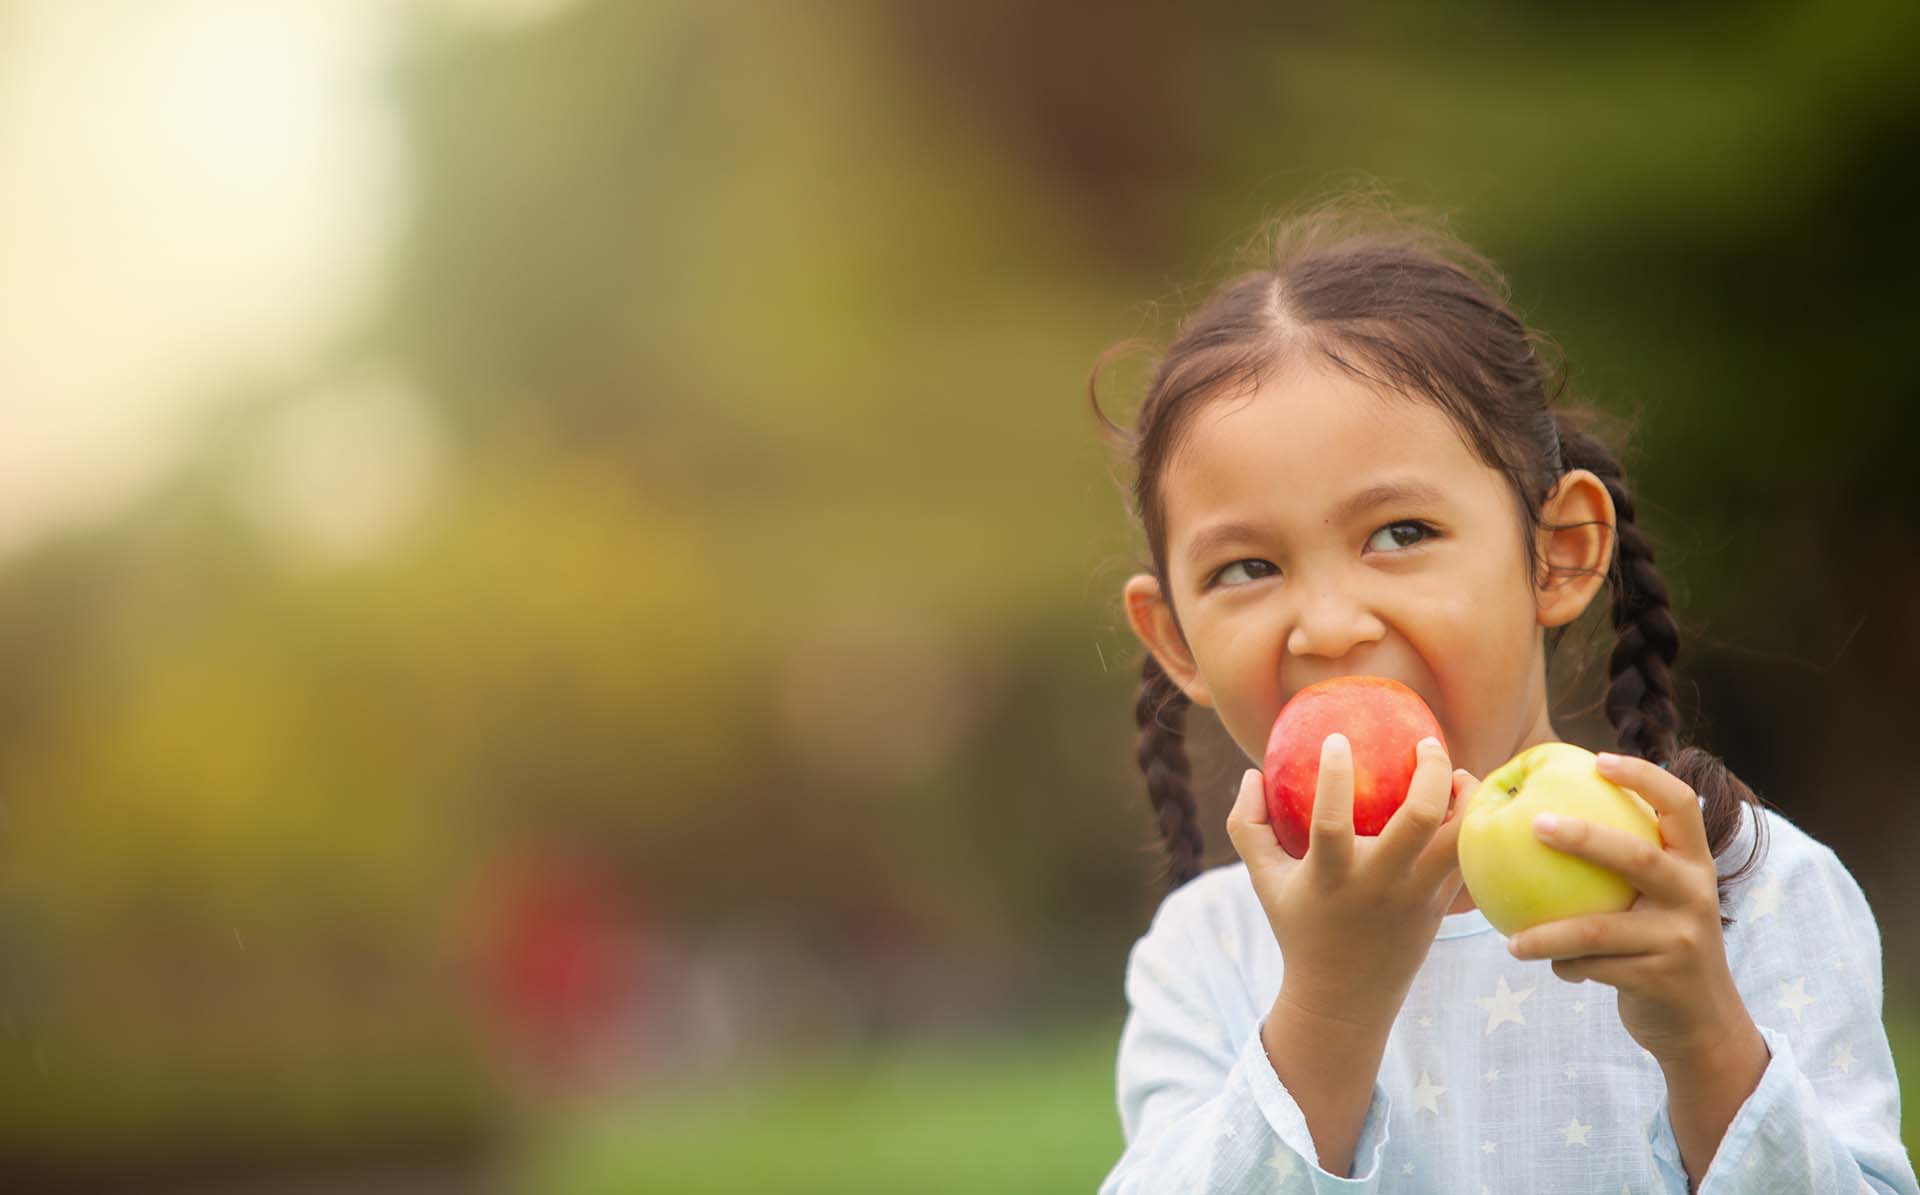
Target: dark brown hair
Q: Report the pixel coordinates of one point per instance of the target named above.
(1406, 307)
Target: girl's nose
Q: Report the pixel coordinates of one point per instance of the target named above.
(1332, 625)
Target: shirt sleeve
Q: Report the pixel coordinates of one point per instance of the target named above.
(1825, 1116)
(1202, 1112)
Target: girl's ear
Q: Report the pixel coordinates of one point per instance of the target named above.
(1575, 545)
(1152, 621)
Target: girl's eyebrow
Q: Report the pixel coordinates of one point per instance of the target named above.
(1398, 489)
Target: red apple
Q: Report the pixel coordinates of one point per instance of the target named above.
(1383, 721)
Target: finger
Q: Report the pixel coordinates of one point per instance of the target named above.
(1330, 834)
(1248, 826)
(1439, 862)
(1465, 784)
(1654, 871)
(1676, 804)
(1625, 972)
(1602, 934)
(1412, 825)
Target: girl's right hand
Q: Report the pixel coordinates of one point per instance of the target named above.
(1355, 917)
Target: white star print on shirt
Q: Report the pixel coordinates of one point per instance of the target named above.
(1493, 1074)
(1281, 1163)
(1229, 945)
(1575, 1132)
(1794, 998)
(1766, 898)
(1427, 1093)
(1487, 1147)
(1503, 1005)
(1843, 1058)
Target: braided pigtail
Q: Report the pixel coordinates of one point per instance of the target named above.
(1640, 702)
(1161, 711)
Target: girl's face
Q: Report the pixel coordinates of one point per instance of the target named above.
(1316, 529)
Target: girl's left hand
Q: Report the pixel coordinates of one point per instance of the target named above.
(1665, 955)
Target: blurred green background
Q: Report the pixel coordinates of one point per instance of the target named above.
(559, 592)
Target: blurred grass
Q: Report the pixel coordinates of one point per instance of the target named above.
(1030, 1115)
(1033, 1114)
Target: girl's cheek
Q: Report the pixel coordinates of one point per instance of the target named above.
(1250, 646)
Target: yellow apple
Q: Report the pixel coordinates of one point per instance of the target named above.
(1519, 881)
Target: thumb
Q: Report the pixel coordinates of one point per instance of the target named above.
(1248, 824)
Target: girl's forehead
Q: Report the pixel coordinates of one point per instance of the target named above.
(1308, 440)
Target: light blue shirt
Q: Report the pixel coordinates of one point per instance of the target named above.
(1501, 1077)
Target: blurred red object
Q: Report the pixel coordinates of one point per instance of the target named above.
(560, 964)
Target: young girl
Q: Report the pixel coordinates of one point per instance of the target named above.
(1348, 463)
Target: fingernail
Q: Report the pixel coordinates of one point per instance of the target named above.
(1338, 739)
(1545, 823)
(1429, 741)
(1607, 759)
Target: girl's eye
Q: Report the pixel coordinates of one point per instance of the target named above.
(1404, 534)
(1250, 566)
